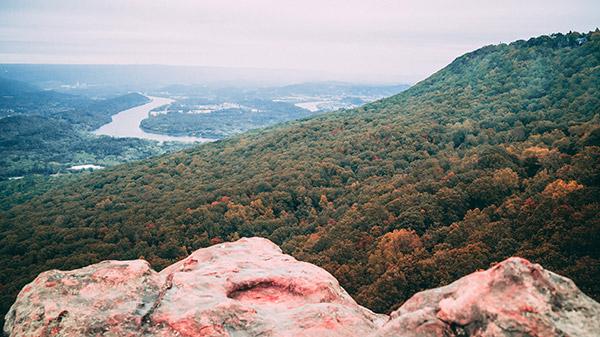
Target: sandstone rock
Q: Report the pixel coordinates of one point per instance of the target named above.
(249, 288)
(246, 288)
(109, 298)
(513, 298)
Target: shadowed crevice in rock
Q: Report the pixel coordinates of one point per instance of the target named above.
(54, 325)
(146, 319)
(250, 288)
(264, 290)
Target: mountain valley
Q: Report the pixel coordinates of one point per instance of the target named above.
(495, 155)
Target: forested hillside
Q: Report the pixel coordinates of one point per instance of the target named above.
(497, 154)
(40, 145)
(18, 98)
(45, 132)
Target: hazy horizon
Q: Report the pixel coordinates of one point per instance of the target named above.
(377, 42)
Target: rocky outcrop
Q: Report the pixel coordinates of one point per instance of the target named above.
(250, 288)
(513, 298)
(245, 288)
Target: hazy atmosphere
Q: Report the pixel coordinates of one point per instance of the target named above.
(321, 168)
(375, 41)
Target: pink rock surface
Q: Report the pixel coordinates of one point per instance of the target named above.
(245, 288)
(250, 288)
(513, 298)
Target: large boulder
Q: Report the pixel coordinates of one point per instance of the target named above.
(108, 298)
(513, 298)
(250, 288)
(245, 288)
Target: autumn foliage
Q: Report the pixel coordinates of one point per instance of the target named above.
(496, 155)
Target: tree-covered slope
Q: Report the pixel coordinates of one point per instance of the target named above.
(45, 132)
(497, 154)
(18, 98)
(40, 145)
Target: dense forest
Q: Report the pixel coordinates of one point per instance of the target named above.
(19, 98)
(497, 154)
(45, 132)
(39, 145)
(247, 114)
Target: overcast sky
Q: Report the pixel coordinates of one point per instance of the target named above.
(372, 40)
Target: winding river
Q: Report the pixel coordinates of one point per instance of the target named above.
(127, 124)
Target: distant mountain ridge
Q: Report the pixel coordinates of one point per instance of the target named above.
(22, 98)
(153, 76)
(11, 87)
(340, 88)
(495, 155)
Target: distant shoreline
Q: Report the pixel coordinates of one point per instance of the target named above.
(127, 124)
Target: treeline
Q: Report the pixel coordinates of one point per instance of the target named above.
(497, 154)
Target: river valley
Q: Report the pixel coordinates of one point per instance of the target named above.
(127, 124)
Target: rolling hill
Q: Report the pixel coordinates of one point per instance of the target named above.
(45, 132)
(19, 98)
(496, 155)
